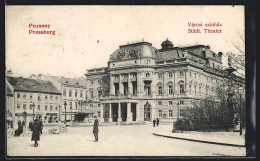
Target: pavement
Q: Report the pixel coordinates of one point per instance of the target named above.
(219, 138)
(120, 140)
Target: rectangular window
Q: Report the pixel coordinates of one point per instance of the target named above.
(91, 105)
(24, 95)
(56, 98)
(18, 95)
(46, 107)
(190, 74)
(98, 105)
(18, 106)
(46, 97)
(195, 89)
(160, 75)
(190, 88)
(70, 105)
(81, 94)
(30, 107)
(181, 73)
(39, 97)
(56, 108)
(170, 89)
(24, 106)
(160, 90)
(39, 107)
(170, 113)
(195, 75)
(51, 97)
(170, 74)
(70, 93)
(64, 92)
(159, 103)
(181, 102)
(31, 96)
(181, 113)
(91, 94)
(99, 94)
(98, 113)
(160, 113)
(181, 88)
(170, 102)
(50, 107)
(76, 105)
(76, 93)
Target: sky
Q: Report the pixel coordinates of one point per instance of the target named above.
(85, 36)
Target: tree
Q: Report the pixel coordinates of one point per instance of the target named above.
(238, 58)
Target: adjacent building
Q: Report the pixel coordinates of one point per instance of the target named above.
(141, 82)
(30, 98)
(73, 98)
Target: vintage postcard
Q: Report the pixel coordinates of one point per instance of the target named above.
(127, 80)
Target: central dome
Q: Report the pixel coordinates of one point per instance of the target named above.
(136, 50)
(167, 44)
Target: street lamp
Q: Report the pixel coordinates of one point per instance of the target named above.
(65, 104)
(178, 105)
(33, 105)
(59, 113)
(240, 91)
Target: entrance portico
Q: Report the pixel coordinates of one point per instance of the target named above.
(122, 112)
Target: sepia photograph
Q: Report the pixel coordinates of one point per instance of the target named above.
(126, 80)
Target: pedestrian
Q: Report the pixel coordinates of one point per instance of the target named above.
(154, 121)
(157, 122)
(36, 128)
(19, 130)
(30, 125)
(41, 125)
(95, 129)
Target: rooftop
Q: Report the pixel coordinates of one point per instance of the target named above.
(32, 85)
(72, 82)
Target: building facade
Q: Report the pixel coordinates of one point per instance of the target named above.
(143, 83)
(73, 98)
(33, 99)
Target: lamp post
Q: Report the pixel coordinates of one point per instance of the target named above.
(65, 104)
(33, 105)
(240, 91)
(178, 114)
(59, 113)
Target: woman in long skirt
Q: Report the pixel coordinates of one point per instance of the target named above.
(36, 128)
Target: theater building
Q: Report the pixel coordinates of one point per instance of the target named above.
(141, 82)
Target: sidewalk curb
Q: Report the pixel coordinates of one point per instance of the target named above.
(201, 141)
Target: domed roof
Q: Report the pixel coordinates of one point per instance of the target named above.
(137, 50)
(167, 44)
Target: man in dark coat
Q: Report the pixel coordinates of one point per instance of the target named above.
(41, 125)
(95, 129)
(157, 122)
(154, 121)
(36, 128)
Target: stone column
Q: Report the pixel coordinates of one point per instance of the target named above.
(129, 116)
(137, 113)
(110, 113)
(130, 86)
(112, 88)
(139, 84)
(121, 87)
(119, 119)
(101, 113)
(164, 84)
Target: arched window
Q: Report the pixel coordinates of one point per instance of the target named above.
(160, 92)
(170, 88)
(181, 87)
(91, 93)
